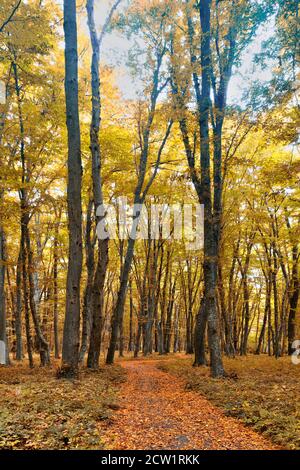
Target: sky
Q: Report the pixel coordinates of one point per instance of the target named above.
(115, 50)
(116, 47)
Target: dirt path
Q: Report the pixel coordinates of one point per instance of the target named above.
(156, 412)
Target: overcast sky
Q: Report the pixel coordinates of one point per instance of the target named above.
(115, 52)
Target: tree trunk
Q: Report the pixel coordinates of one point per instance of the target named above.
(264, 325)
(26, 296)
(130, 342)
(102, 260)
(212, 223)
(160, 347)
(246, 331)
(4, 356)
(152, 297)
(189, 335)
(294, 299)
(176, 330)
(199, 336)
(18, 325)
(70, 350)
(55, 292)
(87, 299)
(168, 332)
(138, 339)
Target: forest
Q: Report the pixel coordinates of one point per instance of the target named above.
(149, 224)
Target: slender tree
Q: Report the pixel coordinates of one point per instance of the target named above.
(70, 351)
(97, 297)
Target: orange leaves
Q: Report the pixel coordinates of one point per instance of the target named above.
(157, 412)
(40, 412)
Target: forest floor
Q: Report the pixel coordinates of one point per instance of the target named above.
(38, 411)
(152, 403)
(158, 411)
(261, 391)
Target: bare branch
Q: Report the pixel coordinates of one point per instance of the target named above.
(14, 10)
(158, 160)
(108, 20)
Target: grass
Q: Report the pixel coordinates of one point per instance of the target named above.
(38, 411)
(262, 392)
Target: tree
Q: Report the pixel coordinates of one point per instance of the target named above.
(70, 351)
(157, 85)
(3, 336)
(224, 28)
(97, 298)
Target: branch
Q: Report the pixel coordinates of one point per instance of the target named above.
(158, 160)
(108, 20)
(163, 86)
(10, 16)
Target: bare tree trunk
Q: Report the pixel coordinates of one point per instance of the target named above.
(160, 347)
(203, 185)
(26, 296)
(163, 304)
(55, 292)
(138, 339)
(102, 260)
(264, 324)
(189, 334)
(87, 299)
(35, 273)
(130, 342)
(212, 222)
(294, 299)
(199, 336)
(246, 300)
(70, 350)
(4, 359)
(168, 333)
(18, 325)
(176, 330)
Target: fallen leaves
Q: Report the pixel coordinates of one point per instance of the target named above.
(153, 409)
(264, 396)
(40, 412)
(157, 412)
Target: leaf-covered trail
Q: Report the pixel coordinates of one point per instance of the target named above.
(157, 412)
